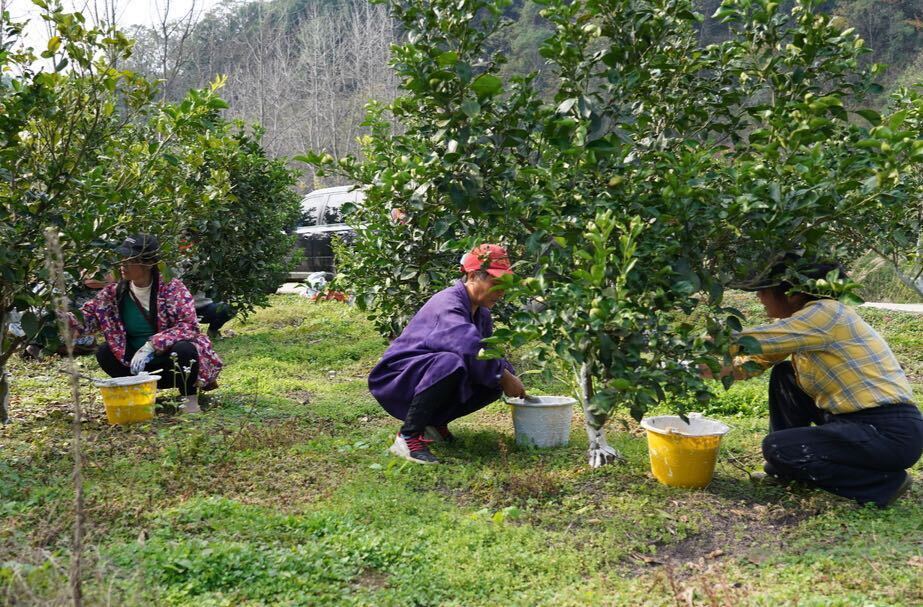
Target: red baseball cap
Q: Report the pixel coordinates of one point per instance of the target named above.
(491, 258)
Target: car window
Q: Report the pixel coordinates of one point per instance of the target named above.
(310, 207)
(332, 214)
(333, 211)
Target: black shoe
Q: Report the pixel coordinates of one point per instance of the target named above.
(769, 476)
(414, 449)
(32, 351)
(904, 488)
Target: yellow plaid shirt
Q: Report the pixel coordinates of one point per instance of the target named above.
(840, 361)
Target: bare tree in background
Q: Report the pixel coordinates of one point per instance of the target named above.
(174, 35)
(105, 12)
(4, 6)
(302, 70)
(308, 85)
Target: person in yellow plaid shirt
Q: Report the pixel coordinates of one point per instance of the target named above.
(832, 370)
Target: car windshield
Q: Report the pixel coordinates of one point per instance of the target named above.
(333, 212)
(309, 208)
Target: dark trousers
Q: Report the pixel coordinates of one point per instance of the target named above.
(178, 372)
(437, 405)
(215, 315)
(861, 455)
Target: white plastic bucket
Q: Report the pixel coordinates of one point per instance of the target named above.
(542, 421)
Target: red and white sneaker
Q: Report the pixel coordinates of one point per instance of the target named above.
(414, 449)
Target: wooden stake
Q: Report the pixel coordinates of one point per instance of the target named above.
(54, 261)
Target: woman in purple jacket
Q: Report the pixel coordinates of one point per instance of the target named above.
(431, 375)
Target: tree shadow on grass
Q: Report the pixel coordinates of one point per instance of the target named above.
(790, 496)
(476, 447)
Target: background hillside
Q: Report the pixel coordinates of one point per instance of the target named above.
(305, 69)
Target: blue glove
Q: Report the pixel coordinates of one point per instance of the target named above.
(143, 356)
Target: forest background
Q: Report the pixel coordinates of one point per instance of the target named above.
(305, 69)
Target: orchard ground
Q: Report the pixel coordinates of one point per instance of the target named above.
(283, 493)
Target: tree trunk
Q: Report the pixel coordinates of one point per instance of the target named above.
(915, 284)
(4, 374)
(4, 396)
(599, 453)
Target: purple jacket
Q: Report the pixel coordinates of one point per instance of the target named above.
(440, 339)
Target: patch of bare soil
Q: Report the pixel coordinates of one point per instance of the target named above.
(740, 529)
(277, 434)
(371, 580)
(22, 409)
(706, 585)
(287, 323)
(300, 396)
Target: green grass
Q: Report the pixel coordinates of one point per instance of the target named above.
(283, 493)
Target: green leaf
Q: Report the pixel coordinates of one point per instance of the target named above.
(734, 311)
(566, 105)
(727, 381)
(31, 324)
(447, 58)
(715, 293)
(471, 108)
(873, 117)
(734, 323)
(851, 299)
(486, 85)
(749, 345)
(621, 383)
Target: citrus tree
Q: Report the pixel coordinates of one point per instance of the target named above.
(894, 231)
(663, 172)
(86, 148)
(229, 226)
(73, 154)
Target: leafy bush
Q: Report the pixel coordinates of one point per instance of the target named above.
(83, 148)
(626, 205)
(743, 399)
(242, 242)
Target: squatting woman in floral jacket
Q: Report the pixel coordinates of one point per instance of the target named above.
(150, 324)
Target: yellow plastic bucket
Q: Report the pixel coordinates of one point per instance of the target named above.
(683, 455)
(129, 400)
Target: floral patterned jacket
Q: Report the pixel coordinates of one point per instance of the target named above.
(176, 321)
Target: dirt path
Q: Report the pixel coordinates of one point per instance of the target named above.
(913, 308)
